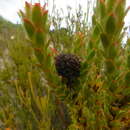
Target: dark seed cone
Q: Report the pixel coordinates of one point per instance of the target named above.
(68, 66)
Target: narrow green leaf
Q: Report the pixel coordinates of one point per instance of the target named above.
(91, 55)
(102, 9)
(111, 24)
(110, 4)
(29, 28)
(21, 14)
(44, 18)
(39, 54)
(112, 52)
(105, 41)
(37, 14)
(28, 10)
(96, 32)
(40, 37)
(109, 66)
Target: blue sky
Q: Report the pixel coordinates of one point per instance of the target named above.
(9, 8)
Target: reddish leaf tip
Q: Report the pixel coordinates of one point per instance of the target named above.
(102, 1)
(39, 30)
(27, 4)
(37, 4)
(26, 20)
(54, 50)
(45, 12)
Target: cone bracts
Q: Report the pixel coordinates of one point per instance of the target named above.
(68, 66)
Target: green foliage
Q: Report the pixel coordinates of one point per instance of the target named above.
(34, 97)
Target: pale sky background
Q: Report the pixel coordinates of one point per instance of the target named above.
(9, 8)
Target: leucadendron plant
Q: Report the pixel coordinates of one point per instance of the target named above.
(99, 98)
